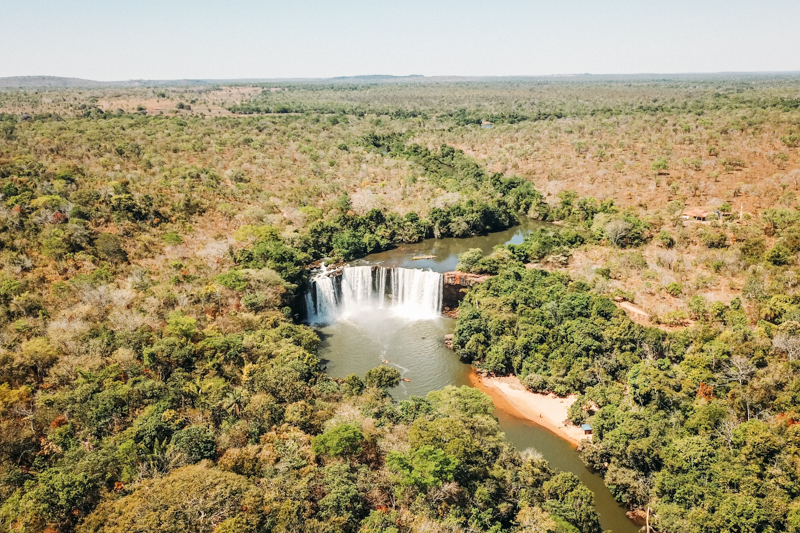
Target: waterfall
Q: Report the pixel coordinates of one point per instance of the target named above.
(411, 293)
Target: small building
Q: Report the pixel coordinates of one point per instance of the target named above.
(696, 213)
(587, 429)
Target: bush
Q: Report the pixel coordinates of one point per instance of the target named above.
(79, 213)
(382, 377)
(678, 317)
(469, 260)
(778, 255)
(666, 239)
(659, 165)
(257, 302)
(752, 249)
(109, 247)
(635, 260)
(341, 440)
(535, 382)
(713, 239)
(172, 238)
(195, 443)
(180, 325)
(698, 306)
(424, 468)
(674, 289)
(57, 497)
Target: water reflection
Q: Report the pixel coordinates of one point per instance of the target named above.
(446, 251)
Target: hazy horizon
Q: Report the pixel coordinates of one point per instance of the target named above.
(432, 76)
(179, 39)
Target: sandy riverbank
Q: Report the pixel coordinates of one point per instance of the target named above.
(546, 410)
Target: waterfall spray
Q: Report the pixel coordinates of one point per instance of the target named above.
(411, 293)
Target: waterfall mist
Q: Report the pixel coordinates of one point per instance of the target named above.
(410, 293)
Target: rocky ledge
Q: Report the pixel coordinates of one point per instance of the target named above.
(456, 284)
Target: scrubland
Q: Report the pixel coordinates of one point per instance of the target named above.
(155, 241)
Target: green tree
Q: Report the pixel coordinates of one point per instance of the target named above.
(341, 440)
(383, 377)
(469, 260)
(180, 325)
(109, 247)
(778, 255)
(57, 497)
(423, 468)
(659, 165)
(195, 443)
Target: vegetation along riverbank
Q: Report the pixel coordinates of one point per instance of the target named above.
(546, 410)
(155, 247)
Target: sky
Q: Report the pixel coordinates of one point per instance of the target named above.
(202, 39)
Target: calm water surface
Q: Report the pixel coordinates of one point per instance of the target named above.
(361, 340)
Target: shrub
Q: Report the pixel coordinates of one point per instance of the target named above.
(79, 213)
(195, 443)
(341, 440)
(109, 247)
(666, 239)
(353, 385)
(713, 239)
(698, 306)
(536, 383)
(678, 317)
(778, 255)
(257, 301)
(604, 272)
(675, 289)
(172, 238)
(180, 325)
(424, 468)
(635, 260)
(792, 140)
(469, 260)
(382, 377)
(660, 164)
(752, 249)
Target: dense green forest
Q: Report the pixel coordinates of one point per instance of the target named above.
(154, 373)
(696, 424)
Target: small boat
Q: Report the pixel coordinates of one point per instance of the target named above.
(385, 361)
(406, 379)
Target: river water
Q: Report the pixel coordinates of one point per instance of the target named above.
(362, 337)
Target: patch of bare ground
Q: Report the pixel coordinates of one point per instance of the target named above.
(209, 104)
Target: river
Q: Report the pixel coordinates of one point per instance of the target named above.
(362, 336)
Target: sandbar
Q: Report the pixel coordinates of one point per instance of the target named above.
(546, 410)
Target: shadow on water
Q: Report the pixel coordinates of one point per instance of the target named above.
(446, 251)
(359, 340)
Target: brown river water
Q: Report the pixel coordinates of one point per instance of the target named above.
(366, 332)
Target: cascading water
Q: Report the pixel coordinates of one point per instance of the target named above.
(411, 293)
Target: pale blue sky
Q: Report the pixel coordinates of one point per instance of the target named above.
(170, 39)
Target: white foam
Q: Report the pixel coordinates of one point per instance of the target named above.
(410, 293)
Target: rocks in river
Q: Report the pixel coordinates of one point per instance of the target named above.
(448, 340)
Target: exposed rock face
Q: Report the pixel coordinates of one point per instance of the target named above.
(464, 279)
(456, 285)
